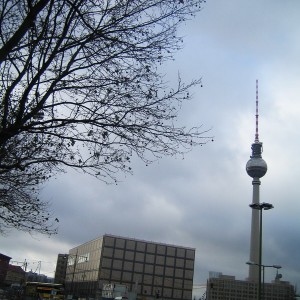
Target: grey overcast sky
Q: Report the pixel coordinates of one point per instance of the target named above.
(202, 201)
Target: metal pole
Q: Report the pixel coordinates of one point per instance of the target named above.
(260, 254)
(72, 283)
(263, 284)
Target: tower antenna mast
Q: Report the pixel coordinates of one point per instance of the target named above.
(256, 115)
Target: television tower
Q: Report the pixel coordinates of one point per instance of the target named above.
(256, 168)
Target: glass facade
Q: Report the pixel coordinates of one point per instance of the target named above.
(152, 270)
(83, 268)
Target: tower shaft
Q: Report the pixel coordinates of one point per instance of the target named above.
(254, 237)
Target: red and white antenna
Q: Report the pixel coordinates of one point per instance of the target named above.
(256, 115)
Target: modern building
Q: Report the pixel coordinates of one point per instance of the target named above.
(61, 268)
(4, 265)
(151, 270)
(15, 275)
(226, 287)
(37, 277)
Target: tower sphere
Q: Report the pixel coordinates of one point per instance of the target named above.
(256, 167)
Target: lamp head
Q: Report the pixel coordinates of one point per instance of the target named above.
(267, 206)
(277, 266)
(260, 206)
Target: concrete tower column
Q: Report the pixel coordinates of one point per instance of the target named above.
(254, 238)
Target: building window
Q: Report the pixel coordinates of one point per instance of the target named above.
(170, 251)
(126, 276)
(120, 243)
(167, 293)
(116, 275)
(129, 255)
(179, 273)
(105, 274)
(190, 254)
(138, 267)
(187, 295)
(168, 282)
(160, 260)
(169, 271)
(161, 249)
(108, 252)
(106, 262)
(117, 264)
(119, 253)
(188, 284)
(177, 294)
(189, 264)
(128, 265)
(130, 245)
(179, 262)
(148, 279)
(109, 241)
(158, 281)
(139, 256)
(151, 248)
(189, 274)
(150, 258)
(170, 261)
(159, 270)
(141, 246)
(149, 269)
(147, 290)
(178, 283)
(180, 252)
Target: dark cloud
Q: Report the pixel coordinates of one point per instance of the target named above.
(202, 200)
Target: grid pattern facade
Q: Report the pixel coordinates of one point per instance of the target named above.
(61, 267)
(152, 270)
(231, 289)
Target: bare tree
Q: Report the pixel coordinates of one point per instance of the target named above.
(20, 207)
(81, 85)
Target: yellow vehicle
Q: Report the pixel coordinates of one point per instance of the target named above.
(43, 291)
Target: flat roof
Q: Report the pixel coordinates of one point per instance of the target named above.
(134, 239)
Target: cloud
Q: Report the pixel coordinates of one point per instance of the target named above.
(202, 200)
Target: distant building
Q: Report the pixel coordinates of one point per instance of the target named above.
(15, 275)
(228, 288)
(61, 268)
(151, 270)
(36, 277)
(4, 264)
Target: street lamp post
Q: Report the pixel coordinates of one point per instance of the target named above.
(263, 272)
(260, 207)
